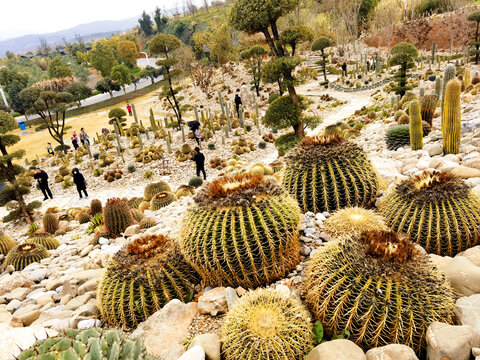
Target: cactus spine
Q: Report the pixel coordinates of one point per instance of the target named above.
(161, 200)
(116, 216)
(429, 104)
(45, 240)
(6, 243)
(451, 118)
(50, 223)
(154, 188)
(416, 129)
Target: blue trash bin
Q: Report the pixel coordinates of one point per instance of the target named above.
(22, 125)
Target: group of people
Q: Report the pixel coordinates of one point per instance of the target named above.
(42, 179)
(83, 138)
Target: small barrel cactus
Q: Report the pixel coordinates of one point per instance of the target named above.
(154, 188)
(353, 220)
(137, 215)
(84, 217)
(44, 239)
(50, 223)
(147, 222)
(6, 243)
(116, 216)
(161, 200)
(23, 255)
(92, 344)
(95, 207)
(185, 190)
(397, 136)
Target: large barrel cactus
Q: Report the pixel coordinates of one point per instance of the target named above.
(116, 216)
(6, 243)
(380, 287)
(242, 231)
(328, 173)
(45, 239)
(436, 210)
(23, 255)
(154, 188)
(264, 324)
(142, 277)
(90, 344)
(50, 223)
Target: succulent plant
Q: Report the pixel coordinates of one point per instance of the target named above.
(147, 222)
(144, 205)
(23, 255)
(428, 106)
(397, 136)
(50, 223)
(135, 202)
(451, 118)
(137, 215)
(161, 200)
(92, 344)
(380, 287)
(95, 207)
(263, 324)
(84, 217)
(6, 243)
(154, 188)
(185, 190)
(242, 231)
(353, 220)
(142, 277)
(116, 216)
(195, 181)
(416, 126)
(436, 210)
(328, 173)
(44, 239)
(32, 228)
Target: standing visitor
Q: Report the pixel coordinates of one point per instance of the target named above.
(84, 135)
(199, 160)
(42, 179)
(129, 109)
(344, 69)
(50, 149)
(79, 180)
(238, 102)
(198, 136)
(75, 136)
(75, 143)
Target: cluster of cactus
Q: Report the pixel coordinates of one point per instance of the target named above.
(95, 207)
(185, 190)
(263, 324)
(64, 175)
(416, 126)
(242, 231)
(6, 243)
(328, 173)
(23, 255)
(161, 200)
(241, 146)
(234, 165)
(435, 210)
(154, 188)
(218, 163)
(149, 154)
(397, 136)
(353, 220)
(259, 168)
(135, 129)
(113, 175)
(147, 223)
(142, 277)
(44, 239)
(269, 138)
(92, 344)
(183, 153)
(106, 160)
(390, 291)
(428, 107)
(98, 172)
(50, 223)
(451, 118)
(116, 216)
(135, 202)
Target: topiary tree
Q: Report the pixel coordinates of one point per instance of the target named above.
(254, 59)
(321, 44)
(117, 116)
(151, 73)
(107, 85)
(14, 188)
(296, 35)
(475, 17)
(282, 113)
(79, 92)
(403, 54)
(164, 45)
(121, 75)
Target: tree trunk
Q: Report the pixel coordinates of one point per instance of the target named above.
(23, 207)
(280, 87)
(299, 130)
(270, 43)
(324, 66)
(276, 37)
(294, 46)
(111, 94)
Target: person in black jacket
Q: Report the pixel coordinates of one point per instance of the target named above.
(79, 180)
(199, 159)
(238, 102)
(42, 179)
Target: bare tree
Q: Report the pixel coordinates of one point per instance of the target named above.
(43, 48)
(192, 8)
(345, 16)
(205, 5)
(387, 14)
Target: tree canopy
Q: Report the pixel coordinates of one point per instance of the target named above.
(121, 75)
(128, 51)
(163, 44)
(103, 57)
(79, 92)
(58, 69)
(296, 35)
(146, 24)
(403, 53)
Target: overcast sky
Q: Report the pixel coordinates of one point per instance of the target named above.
(21, 17)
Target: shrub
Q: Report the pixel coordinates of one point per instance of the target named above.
(262, 145)
(96, 155)
(142, 277)
(23, 255)
(131, 168)
(242, 231)
(286, 142)
(195, 181)
(211, 146)
(272, 98)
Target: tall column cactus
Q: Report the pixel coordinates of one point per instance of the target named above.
(450, 73)
(438, 87)
(416, 131)
(467, 79)
(451, 118)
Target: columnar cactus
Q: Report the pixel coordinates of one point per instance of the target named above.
(450, 74)
(142, 277)
(379, 286)
(116, 216)
(6, 243)
(93, 344)
(50, 223)
(451, 118)
(416, 129)
(438, 87)
(436, 210)
(242, 231)
(154, 188)
(428, 107)
(23, 255)
(161, 200)
(467, 78)
(263, 324)
(328, 173)
(44, 239)
(95, 207)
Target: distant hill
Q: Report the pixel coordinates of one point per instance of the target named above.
(93, 30)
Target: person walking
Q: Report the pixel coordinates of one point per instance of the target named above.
(129, 109)
(198, 136)
(238, 102)
(75, 143)
(42, 180)
(84, 137)
(50, 149)
(79, 181)
(344, 69)
(199, 160)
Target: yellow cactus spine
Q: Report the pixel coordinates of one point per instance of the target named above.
(467, 78)
(451, 126)
(416, 129)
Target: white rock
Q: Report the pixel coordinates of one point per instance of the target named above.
(37, 275)
(213, 302)
(453, 342)
(468, 310)
(392, 352)
(15, 339)
(463, 275)
(194, 353)
(283, 290)
(337, 350)
(87, 324)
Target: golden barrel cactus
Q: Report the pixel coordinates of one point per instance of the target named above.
(353, 220)
(6, 243)
(242, 231)
(23, 255)
(264, 324)
(435, 210)
(45, 239)
(380, 287)
(142, 277)
(328, 173)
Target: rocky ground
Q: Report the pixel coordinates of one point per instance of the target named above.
(60, 292)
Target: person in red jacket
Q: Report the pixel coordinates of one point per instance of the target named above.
(129, 109)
